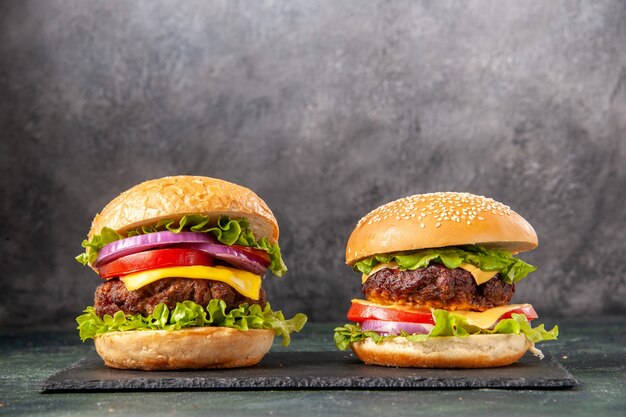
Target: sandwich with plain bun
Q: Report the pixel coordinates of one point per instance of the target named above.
(438, 272)
(182, 260)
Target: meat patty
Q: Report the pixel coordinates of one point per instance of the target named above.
(112, 296)
(438, 287)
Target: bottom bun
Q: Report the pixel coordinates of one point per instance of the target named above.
(476, 351)
(194, 348)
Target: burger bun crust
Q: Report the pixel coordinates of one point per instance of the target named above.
(193, 348)
(475, 351)
(173, 197)
(437, 220)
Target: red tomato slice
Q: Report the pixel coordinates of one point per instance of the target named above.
(255, 252)
(360, 312)
(528, 311)
(152, 259)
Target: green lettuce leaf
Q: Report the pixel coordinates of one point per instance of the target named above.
(189, 314)
(227, 231)
(93, 246)
(448, 324)
(510, 268)
(349, 333)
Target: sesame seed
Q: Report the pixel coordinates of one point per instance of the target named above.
(444, 207)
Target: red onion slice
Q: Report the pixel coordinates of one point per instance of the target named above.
(188, 240)
(238, 259)
(134, 244)
(395, 327)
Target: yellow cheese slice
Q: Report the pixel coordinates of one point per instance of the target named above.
(244, 282)
(486, 319)
(409, 308)
(482, 319)
(479, 275)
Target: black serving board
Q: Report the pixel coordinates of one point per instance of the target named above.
(309, 371)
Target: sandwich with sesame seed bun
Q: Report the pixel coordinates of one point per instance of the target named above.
(438, 273)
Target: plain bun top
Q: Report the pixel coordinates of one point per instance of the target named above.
(173, 197)
(436, 220)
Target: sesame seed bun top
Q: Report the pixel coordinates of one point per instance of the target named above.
(173, 197)
(435, 220)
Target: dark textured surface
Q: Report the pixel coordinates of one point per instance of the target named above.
(326, 109)
(310, 370)
(592, 350)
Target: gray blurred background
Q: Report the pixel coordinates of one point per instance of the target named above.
(326, 109)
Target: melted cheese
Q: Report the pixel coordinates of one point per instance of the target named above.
(400, 307)
(486, 319)
(244, 282)
(390, 265)
(482, 319)
(479, 275)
